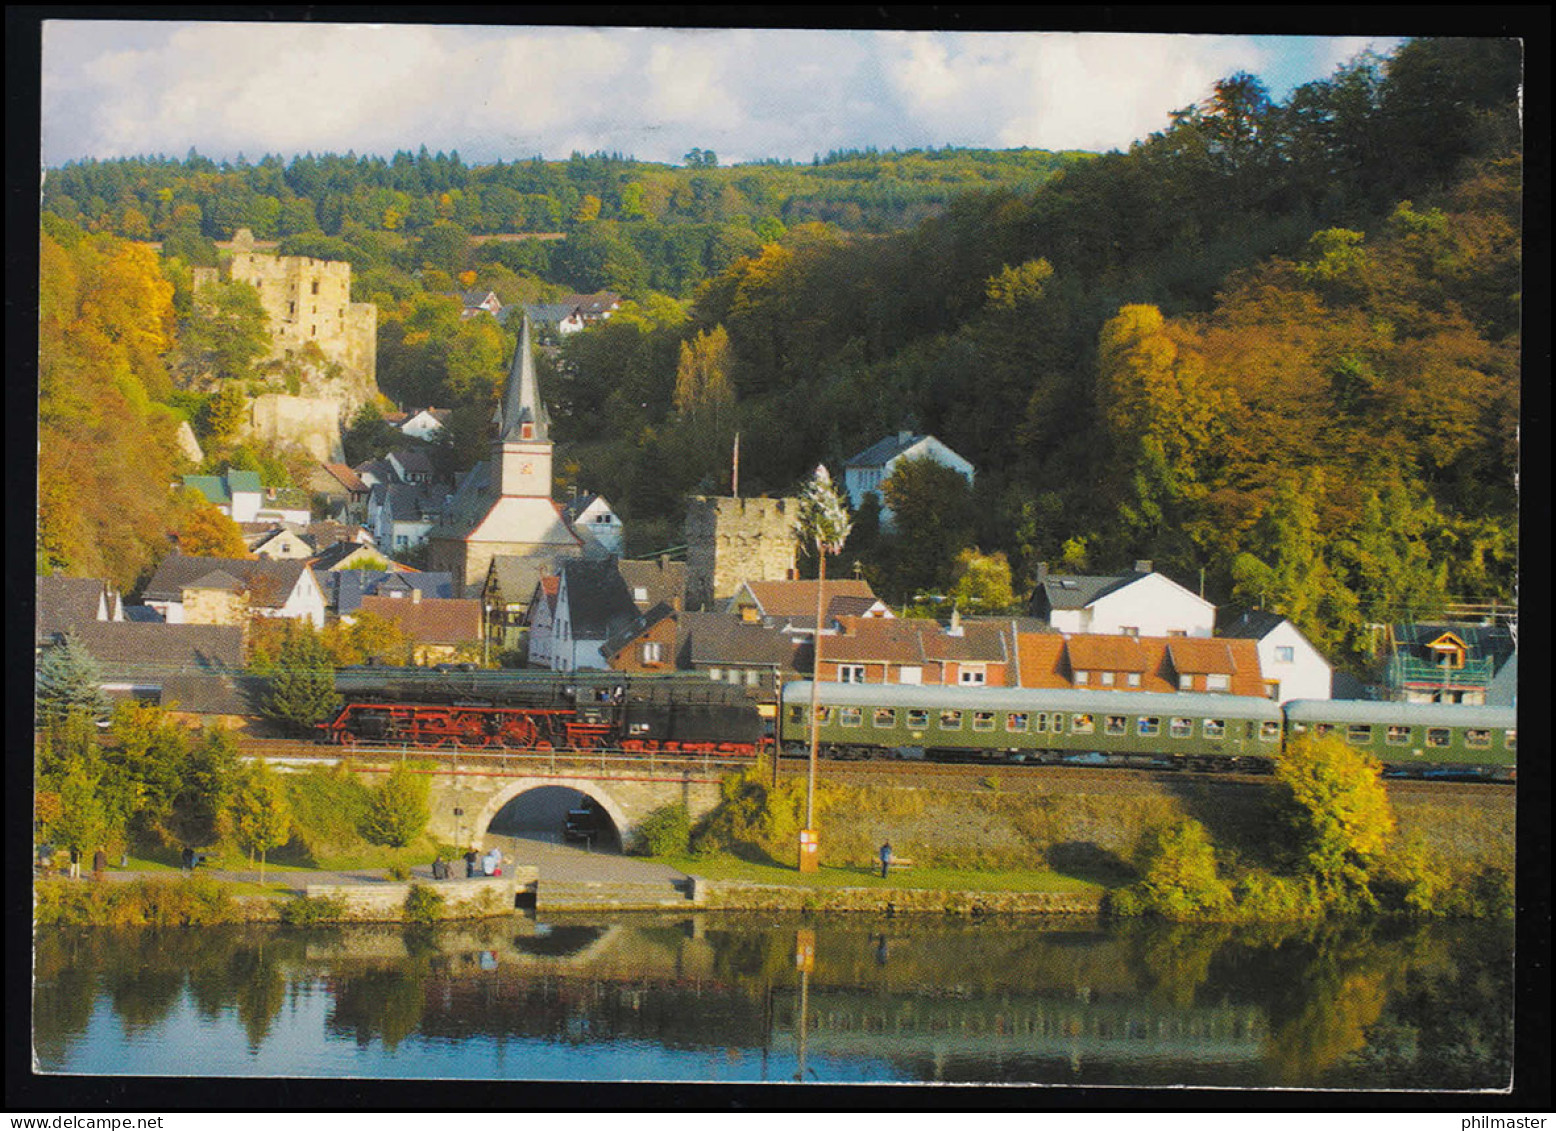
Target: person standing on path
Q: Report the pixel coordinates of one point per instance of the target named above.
(885, 859)
(470, 862)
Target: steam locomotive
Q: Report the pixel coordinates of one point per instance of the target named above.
(480, 709)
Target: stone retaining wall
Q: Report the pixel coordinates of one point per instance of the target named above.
(730, 895)
(462, 899)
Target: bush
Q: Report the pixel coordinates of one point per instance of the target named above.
(666, 831)
(1178, 873)
(423, 905)
(309, 911)
(1264, 897)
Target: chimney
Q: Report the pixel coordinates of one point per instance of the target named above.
(415, 596)
(1042, 572)
(1143, 565)
(904, 437)
(956, 623)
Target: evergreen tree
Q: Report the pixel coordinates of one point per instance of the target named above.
(67, 681)
(302, 690)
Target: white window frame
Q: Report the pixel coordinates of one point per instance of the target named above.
(850, 673)
(971, 677)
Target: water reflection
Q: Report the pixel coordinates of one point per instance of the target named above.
(713, 998)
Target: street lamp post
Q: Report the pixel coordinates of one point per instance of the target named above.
(823, 521)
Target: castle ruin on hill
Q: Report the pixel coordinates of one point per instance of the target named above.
(314, 326)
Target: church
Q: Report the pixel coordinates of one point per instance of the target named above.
(503, 507)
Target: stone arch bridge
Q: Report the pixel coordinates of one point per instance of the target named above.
(464, 801)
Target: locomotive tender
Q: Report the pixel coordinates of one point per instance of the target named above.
(688, 714)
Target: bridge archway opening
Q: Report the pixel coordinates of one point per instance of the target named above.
(558, 815)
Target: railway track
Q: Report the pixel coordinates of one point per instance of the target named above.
(972, 777)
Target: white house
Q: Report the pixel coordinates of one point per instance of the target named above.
(593, 519)
(593, 604)
(425, 424)
(1142, 603)
(866, 472)
(196, 590)
(542, 621)
(1292, 667)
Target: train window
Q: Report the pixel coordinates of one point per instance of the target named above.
(1510, 739)
(950, 720)
(823, 715)
(1040, 724)
(1358, 734)
(1399, 736)
(1215, 728)
(1148, 725)
(1114, 725)
(850, 716)
(1269, 730)
(918, 718)
(1322, 730)
(796, 716)
(1437, 736)
(1182, 728)
(1016, 722)
(885, 717)
(1477, 737)
(1082, 724)
(983, 720)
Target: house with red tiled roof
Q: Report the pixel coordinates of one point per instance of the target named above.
(916, 651)
(791, 605)
(1145, 663)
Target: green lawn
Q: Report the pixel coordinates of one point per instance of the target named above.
(939, 879)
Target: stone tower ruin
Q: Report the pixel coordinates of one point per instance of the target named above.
(733, 540)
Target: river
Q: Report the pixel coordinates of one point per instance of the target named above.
(718, 998)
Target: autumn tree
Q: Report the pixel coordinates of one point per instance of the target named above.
(1338, 814)
(261, 816)
(398, 811)
(982, 583)
(203, 531)
(106, 448)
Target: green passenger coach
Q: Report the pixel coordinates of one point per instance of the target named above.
(1417, 739)
(1193, 731)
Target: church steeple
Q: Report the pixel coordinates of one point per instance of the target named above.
(524, 415)
(522, 451)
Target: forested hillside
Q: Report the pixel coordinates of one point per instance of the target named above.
(1275, 345)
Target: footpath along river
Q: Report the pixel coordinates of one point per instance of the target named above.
(721, 998)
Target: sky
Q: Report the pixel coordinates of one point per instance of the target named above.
(115, 88)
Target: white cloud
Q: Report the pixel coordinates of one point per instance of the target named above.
(114, 88)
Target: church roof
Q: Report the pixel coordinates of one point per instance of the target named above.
(521, 401)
